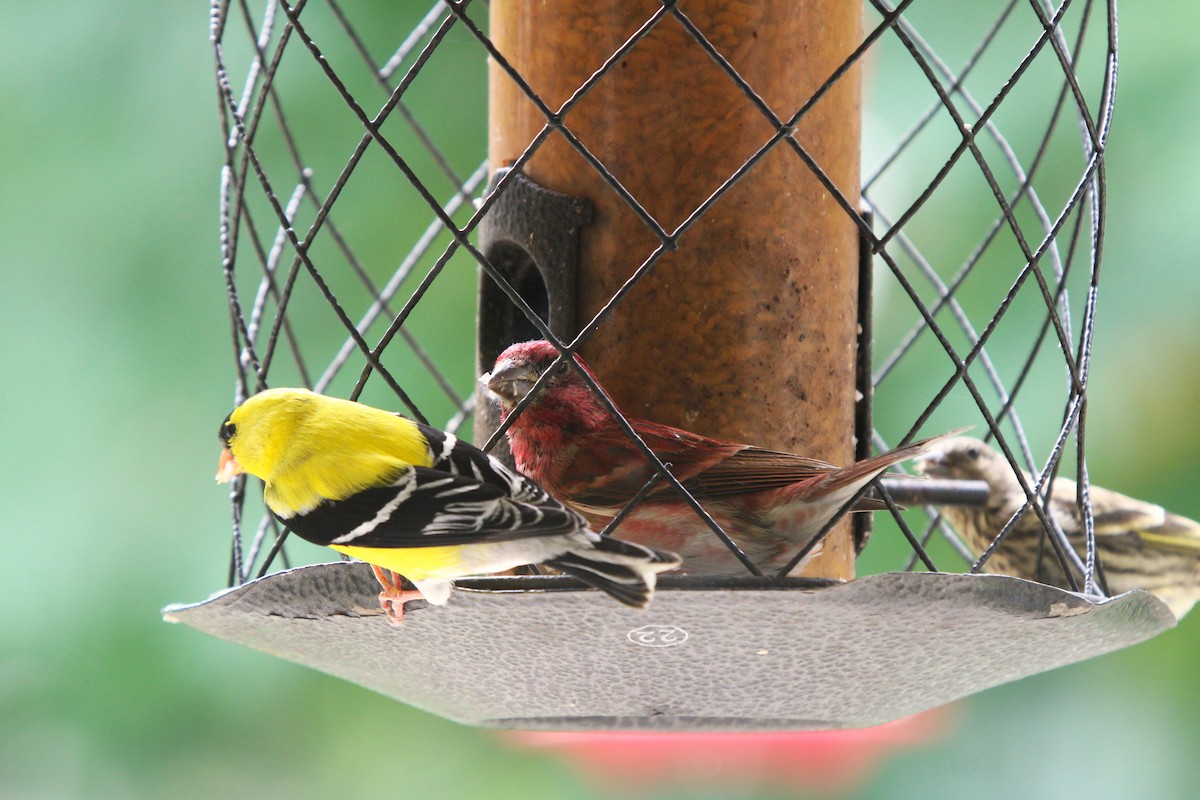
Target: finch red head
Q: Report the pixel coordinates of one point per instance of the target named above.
(770, 503)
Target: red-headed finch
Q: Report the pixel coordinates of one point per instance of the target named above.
(770, 503)
(1139, 545)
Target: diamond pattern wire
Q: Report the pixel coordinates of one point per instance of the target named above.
(324, 127)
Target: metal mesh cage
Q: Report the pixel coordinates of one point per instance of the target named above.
(984, 181)
(355, 184)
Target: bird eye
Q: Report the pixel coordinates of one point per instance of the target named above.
(973, 453)
(562, 368)
(227, 431)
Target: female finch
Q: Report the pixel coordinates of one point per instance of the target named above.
(770, 503)
(415, 500)
(1139, 545)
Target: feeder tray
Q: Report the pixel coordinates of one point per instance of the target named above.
(542, 652)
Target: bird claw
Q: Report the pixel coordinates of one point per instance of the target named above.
(394, 595)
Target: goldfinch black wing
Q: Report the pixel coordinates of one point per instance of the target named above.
(453, 455)
(427, 507)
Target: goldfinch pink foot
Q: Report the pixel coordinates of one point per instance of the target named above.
(394, 595)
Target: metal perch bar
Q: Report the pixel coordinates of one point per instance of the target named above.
(937, 492)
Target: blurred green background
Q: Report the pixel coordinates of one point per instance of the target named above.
(116, 349)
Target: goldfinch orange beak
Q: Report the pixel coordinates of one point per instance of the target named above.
(228, 467)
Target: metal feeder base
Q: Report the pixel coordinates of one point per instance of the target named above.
(564, 658)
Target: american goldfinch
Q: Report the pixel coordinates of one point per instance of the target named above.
(770, 503)
(1140, 546)
(415, 500)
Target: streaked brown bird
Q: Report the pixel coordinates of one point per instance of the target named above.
(1139, 545)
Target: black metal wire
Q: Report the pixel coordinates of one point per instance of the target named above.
(284, 34)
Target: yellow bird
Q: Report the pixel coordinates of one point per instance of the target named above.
(409, 498)
(1140, 545)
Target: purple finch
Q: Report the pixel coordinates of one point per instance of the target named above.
(769, 503)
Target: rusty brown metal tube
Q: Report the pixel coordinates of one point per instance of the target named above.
(747, 330)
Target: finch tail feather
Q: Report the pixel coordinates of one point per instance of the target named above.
(866, 470)
(625, 571)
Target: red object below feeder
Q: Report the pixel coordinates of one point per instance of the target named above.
(822, 761)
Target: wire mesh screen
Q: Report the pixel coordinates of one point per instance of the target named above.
(355, 180)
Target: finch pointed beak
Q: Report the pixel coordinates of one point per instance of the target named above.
(510, 383)
(929, 464)
(228, 467)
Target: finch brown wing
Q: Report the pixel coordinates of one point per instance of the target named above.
(610, 469)
(754, 469)
(1113, 514)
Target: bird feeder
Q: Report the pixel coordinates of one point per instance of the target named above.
(675, 193)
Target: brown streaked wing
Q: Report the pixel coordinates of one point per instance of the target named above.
(1113, 514)
(755, 470)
